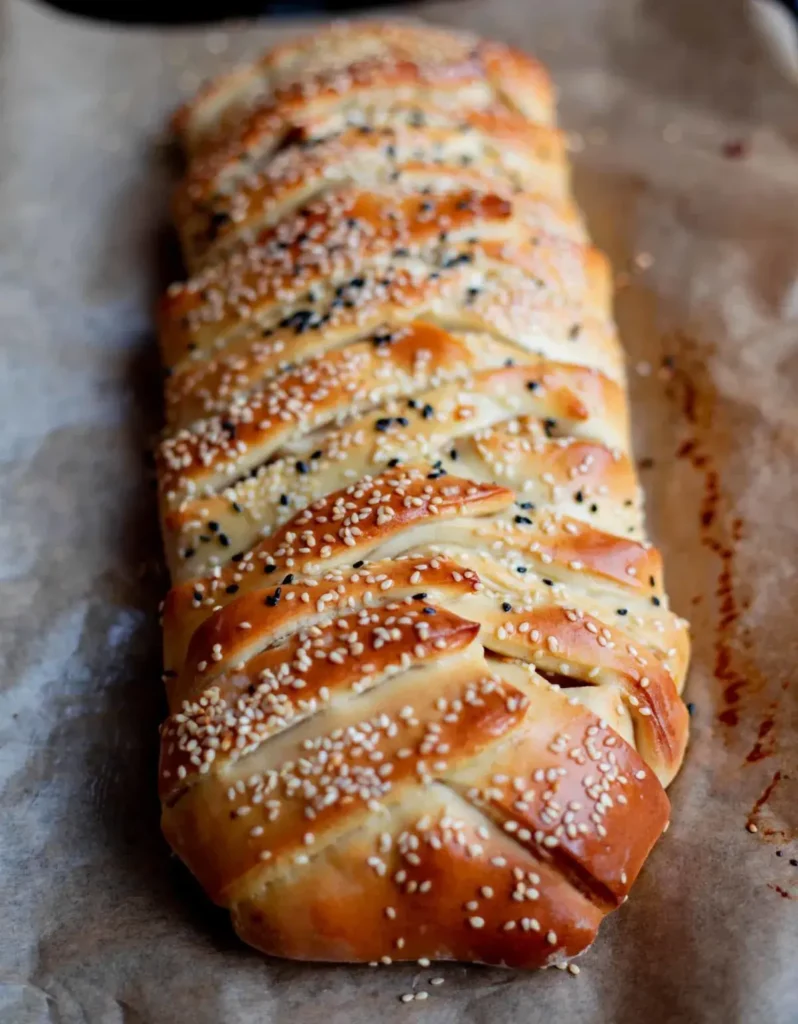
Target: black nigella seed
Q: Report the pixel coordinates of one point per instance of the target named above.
(575, 331)
(523, 520)
(217, 221)
(189, 553)
(232, 589)
(521, 569)
(594, 507)
(579, 497)
(237, 556)
(691, 708)
(549, 425)
(656, 602)
(301, 467)
(393, 463)
(283, 499)
(459, 260)
(236, 507)
(622, 611)
(213, 526)
(403, 421)
(382, 424)
(428, 610)
(507, 607)
(453, 454)
(289, 578)
(532, 385)
(549, 583)
(420, 597)
(269, 568)
(427, 412)
(357, 565)
(525, 504)
(300, 321)
(224, 540)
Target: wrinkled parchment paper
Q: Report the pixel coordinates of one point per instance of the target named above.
(685, 146)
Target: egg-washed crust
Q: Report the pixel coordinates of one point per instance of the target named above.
(423, 680)
(339, 235)
(418, 147)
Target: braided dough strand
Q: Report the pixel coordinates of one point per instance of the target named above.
(423, 679)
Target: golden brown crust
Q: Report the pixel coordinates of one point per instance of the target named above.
(491, 151)
(335, 238)
(423, 679)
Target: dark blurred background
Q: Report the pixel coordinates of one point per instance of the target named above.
(181, 11)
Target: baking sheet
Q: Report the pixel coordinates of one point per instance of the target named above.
(685, 145)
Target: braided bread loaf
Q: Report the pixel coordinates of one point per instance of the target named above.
(423, 680)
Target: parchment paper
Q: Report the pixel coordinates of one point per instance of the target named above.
(686, 152)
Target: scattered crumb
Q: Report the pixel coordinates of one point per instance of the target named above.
(643, 369)
(409, 997)
(734, 150)
(574, 142)
(643, 260)
(751, 827)
(573, 969)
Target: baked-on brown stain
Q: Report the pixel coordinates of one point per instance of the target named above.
(781, 892)
(764, 796)
(735, 678)
(734, 681)
(765, 738)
